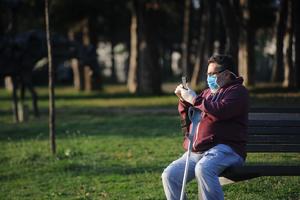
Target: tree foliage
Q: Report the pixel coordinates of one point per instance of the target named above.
(215, 26)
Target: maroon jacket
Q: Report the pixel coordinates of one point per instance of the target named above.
(224, 118)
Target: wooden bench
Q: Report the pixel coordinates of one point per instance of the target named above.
(275, 110)
(279, 134)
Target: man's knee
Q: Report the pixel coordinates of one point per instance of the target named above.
(168, 176)
(203, 170)
(165, 176)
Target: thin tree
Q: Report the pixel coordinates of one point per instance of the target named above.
(278, 70)
(289, 72)
(206, 39)
(231, 24)
(296, 8)
(51, 84)
(247, 42)
(185, 40)
(132, 72)
(200, 47)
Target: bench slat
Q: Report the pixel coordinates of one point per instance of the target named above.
(274, 123)
(274, 139)
(273, 148)
(274, 130)
(275, 110)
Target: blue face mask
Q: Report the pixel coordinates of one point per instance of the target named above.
(212, 83)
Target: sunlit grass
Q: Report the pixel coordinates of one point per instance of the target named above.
(118, 96)
(111, 96)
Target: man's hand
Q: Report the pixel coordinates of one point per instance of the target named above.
(178, 91)
(188, 95)
(185, 94)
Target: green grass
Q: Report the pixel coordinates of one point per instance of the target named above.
(102, 155)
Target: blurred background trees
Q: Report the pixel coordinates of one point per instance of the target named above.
(144, 43)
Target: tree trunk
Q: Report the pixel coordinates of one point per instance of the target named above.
(149, 80)
(277, 73)
(289, 80)
(210, 34)
(78, 79)
(77, 74)
(15, 100)
(89, 40)
(200, 48)
(132, 71)
(23, 112)
(246, 44)
(113, 43)
(185, 39)
(52, 129)
(196, 76)
(113, 63)
(8, 82)
(87, 73)
(243, 57)
(206, 40)
(232, 30)
(251, 55)
(296, 12)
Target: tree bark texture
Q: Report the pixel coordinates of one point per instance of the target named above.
(200, 48)
(77, 74)
(133, 65)
(185, 39)
(296, 12)
(277, 73)
(232, 30)
(206, 39)
(52, 129)
(149, 80)
(246, 44)
(289, 72)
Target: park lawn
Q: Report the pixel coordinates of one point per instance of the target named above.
(111, 96)
(102, 155)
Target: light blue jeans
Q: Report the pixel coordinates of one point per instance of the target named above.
(205, 167)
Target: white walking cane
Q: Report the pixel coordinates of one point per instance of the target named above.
(195, 117)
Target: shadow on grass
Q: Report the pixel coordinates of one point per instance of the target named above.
(9, 177)
(85, 123)
(90, 170)
(4, 113)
